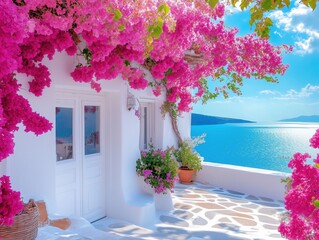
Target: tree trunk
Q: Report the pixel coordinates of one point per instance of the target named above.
(175, 127)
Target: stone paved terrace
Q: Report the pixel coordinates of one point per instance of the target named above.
(206, 212)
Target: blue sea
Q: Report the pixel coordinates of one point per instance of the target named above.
(265, 146)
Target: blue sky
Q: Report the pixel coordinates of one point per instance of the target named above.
(297, 92)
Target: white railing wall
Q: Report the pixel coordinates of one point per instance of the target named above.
(259, 182)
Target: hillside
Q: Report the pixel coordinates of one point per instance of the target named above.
(314, 118)
(199, 119)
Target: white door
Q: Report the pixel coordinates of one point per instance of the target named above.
(80, 168)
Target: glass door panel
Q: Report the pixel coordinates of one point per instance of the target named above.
(92, 129)
(64, 133)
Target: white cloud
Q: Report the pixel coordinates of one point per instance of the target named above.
(304, 92)
(301, 21)
(268, 92)
(304, 46)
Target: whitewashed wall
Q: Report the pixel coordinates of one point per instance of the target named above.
(32, 167)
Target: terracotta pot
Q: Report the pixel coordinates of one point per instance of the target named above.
(186, 175)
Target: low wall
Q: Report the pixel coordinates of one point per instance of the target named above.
(259, 182)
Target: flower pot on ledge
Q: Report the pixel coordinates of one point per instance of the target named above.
(186, 175)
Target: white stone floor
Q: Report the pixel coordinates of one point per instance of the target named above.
(206, 212)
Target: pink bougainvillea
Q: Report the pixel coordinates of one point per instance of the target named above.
(128, 39)
(314, 141)
(302, 199)
(10, 202)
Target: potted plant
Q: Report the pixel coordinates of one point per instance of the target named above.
(190, 160)
(158, 168)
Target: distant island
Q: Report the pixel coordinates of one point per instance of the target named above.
(199, 119)
(313, 118)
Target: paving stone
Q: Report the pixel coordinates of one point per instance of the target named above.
(183, 206)
(210, 214)
(228, 195)
(191, 195)
(196, 210)
(268, 211)
(210, 205)
(222, 200)
(225, 220)
(269, 204)
(210, 196)
(238, 200)
(219, 191)
(270, 227)
(200, 191)
(233, 214)
(251, 205)
(172, 233)
(200, 221)
(235, 192)
(245, 222)
(226, 226)
(266, 199)
(267, 219)
(183, 214)
(251, 197)
(174, 221)
(241, 209)
(228, 204)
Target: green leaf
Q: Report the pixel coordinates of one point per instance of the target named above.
(244, 4)
(87, 55)
(127, 62)
(157, 31)
(212, 3)
(233, 2)
(164, 8)
(306, 2)
(121, 27)
(287, 2)
(313, 4)
(117, 15)
(266, 5)
(270, 79)
(316, 203)
(268, 22)
(256, 15)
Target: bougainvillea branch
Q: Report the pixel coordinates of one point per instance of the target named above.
(302, 198)
(180, 43)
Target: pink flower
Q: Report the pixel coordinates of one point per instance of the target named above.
(143, 153)
(314, 141)
(146, 173)
(10, 202)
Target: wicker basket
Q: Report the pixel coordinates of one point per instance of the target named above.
(25, 225)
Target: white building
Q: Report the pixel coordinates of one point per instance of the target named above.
(86, 165)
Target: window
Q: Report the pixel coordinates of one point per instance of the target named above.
(92, 129)
(146, 124)
(64, 133)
